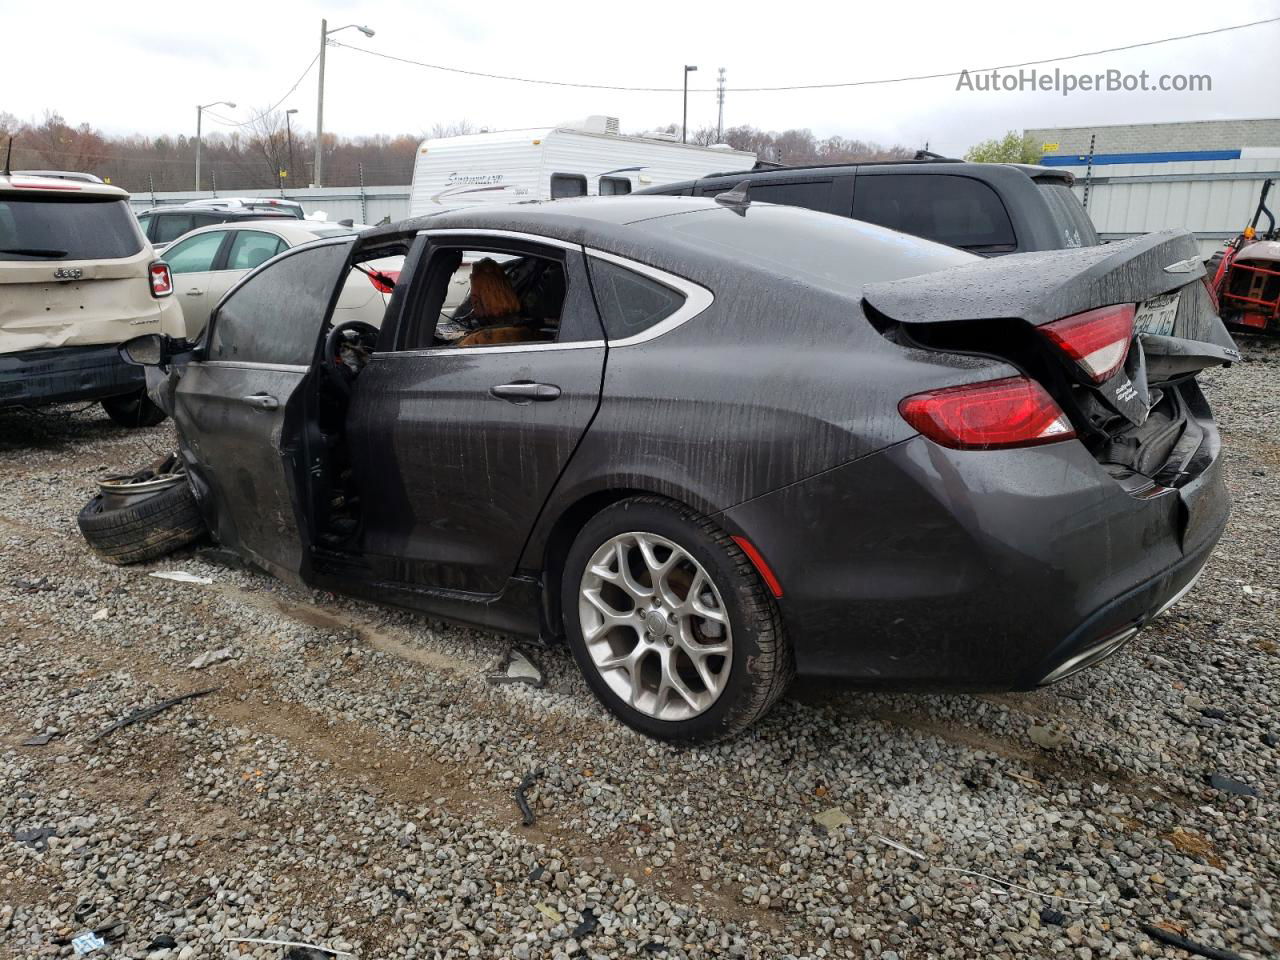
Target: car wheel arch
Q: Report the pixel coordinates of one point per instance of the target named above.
(560, 534)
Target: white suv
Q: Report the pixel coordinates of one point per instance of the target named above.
(77, 278)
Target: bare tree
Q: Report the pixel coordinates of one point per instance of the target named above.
(458, 128)
(269, 139)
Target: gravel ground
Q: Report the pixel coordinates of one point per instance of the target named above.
(349, 781)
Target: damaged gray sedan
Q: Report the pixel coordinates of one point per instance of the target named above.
(713, 444)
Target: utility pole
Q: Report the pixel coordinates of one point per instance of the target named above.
(324, 41)
(199, 117)
(288, 130)
(684, 123)
(720, 101)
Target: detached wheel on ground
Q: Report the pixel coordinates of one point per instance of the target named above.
(133, 410)
(670, 623)
(142, 516)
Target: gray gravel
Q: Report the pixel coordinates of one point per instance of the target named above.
(350, 781)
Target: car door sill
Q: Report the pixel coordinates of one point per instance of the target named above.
(514, 609)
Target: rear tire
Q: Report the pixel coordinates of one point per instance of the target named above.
(136, 528)
(133, 410)
(686, 571)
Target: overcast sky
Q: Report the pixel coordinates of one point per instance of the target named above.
(143, 69)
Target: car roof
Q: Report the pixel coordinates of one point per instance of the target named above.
(61, 175)
(906, 166)
(26, 185)
(230, 213)
(232, 203)
(592, 221)
(289, 228)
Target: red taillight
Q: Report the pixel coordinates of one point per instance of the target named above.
(1098, 340)
(385, 280)
(1014, 412)
(161, 279)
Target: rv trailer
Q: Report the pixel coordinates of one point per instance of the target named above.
(547, 163)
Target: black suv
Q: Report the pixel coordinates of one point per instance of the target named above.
(163, 225)
(985, 208)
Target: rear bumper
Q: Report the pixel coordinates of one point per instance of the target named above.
(925, 567)
(34, 378)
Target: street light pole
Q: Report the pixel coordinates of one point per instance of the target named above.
(200, 109)
(684, 123)
(324, 42)
(288, 129)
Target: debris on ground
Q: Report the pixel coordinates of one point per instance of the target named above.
(32, 586)
(101, 614)
(1052, 917)
(1182, 943)
(551, 913)
(982, 876)
(148, 712)
(40, 739)
(522, 801)
(516, 666)
(832, 818)
(294, 945)
(1226, 784)
(36, 837)
(162, 942)
(210, 657)
(87, 942)
(1047, 737)
(180, 576)
(588, 925)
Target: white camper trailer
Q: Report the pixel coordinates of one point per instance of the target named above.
(550, 162)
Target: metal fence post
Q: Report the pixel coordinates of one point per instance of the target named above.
(364, 206)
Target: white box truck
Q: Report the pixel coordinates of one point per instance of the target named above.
(546, 163)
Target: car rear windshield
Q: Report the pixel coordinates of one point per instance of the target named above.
(832, 252)
(63, 228)
(1069, 217)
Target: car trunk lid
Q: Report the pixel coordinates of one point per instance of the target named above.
(1137, 418)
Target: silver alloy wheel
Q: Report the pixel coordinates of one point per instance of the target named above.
(655, 626)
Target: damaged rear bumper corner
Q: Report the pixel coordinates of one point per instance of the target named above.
(48, 375)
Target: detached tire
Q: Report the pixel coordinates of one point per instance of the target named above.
(131, 529)
(670, 623)
(133, 410)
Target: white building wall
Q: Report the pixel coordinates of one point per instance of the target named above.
(1214, 199)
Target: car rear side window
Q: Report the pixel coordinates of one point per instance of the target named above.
(252, 248)
(629, 302)
(275, 316)
(195, 255)
(59, 228)
(568, 185)
(958, 211)
(1070, 219)
(170, 226)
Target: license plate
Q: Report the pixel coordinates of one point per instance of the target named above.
(1155, 316)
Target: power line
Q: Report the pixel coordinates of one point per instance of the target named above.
(804, 86)
(244, 123)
